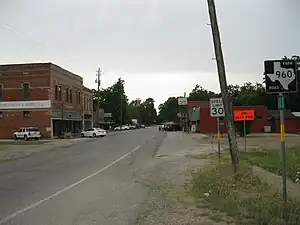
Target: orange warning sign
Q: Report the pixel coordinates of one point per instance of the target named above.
(243, 115)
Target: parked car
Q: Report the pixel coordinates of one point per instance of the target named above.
(132, 127)
(143, 126)
(93, 132)
(124, 127)
(27, 133)
(161, 127)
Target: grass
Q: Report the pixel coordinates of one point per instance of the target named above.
(243, 197)
(270, 160)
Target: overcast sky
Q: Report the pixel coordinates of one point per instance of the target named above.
(160, 48)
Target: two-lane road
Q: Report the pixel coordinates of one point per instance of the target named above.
(90, 183)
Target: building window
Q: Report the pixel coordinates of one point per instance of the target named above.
(79, 98)
(67, 95)
(25, 114)
(56, 92)
(26, 91)
(59, 93)
(84, 104)
(71, 96)
(1, 92)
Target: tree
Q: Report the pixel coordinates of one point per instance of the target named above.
(201, 94)
(134, 109)
(168, 111)
(148, 112)
(110, 100)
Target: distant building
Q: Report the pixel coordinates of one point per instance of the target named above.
(199, 112)
(42, 95)
(87, 108)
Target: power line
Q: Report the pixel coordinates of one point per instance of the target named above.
(18, 31)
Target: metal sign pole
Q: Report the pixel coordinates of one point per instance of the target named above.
(282, 140)
(219, 137)
(245, 139)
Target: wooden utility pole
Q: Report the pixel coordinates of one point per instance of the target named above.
(223, 85)
(98, 81)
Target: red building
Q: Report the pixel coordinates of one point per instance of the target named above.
(263, 117)
(42, 95)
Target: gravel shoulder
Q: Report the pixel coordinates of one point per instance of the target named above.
(167, 177)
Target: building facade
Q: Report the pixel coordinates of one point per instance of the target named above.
(43, 95)
(208, 124)
(87, 108)
(263, 118)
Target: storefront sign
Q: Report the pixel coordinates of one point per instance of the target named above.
(25, 104)
(67, 115)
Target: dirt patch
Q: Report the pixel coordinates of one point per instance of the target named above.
(169, 200)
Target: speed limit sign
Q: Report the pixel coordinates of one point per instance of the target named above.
(216, 107)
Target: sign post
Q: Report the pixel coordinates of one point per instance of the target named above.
(244, 115)
(217, 110)
(182, 104)
(245, 139)
(281, 78)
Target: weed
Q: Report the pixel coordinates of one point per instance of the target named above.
(244, 196)
(271, 160)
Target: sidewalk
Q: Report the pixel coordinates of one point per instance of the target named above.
(183, 144)
(21, 149)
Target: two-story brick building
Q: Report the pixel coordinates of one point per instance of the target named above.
(42, 95)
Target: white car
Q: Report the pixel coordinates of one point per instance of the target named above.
(124, 127)
(27, 133)
(93, 132)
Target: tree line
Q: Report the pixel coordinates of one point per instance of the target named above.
(248, 94)
(115, 101)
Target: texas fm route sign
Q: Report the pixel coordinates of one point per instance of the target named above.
(216, 107)
(280, 76)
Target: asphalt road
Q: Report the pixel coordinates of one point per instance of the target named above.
(92, 182)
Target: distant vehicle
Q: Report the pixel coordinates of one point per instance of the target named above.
(132, 127)
(143, 126)
(124, 127)
(27, 133)
(170, 126)
(93, 132)
(161, 127)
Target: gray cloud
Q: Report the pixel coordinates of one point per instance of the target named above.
(148, 37)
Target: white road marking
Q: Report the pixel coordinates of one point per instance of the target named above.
(22, 211)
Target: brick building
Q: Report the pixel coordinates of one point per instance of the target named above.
(208, 124)
(42, 95)
(263, 117)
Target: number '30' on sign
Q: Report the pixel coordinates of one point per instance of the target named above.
(216, 111)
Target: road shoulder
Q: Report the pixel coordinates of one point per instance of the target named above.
(169, 201)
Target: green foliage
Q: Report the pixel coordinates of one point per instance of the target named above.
(144, 112)
(239, 125)
(271, 160)
(168, 111)
(110, 100)
(244, 197)
(201, 94)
